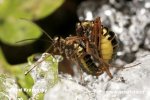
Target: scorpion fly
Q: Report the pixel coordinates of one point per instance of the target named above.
(101, 46)
(91, 48)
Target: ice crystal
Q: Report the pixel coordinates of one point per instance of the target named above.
(45, 73)
(127, 84)
(8, 88)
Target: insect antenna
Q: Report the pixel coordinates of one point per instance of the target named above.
(44, 32)
(40, 28)
(51, 41)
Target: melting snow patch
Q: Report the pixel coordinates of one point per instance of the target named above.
(69, 90)
(127, 84)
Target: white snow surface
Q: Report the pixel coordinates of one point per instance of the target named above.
(69, 90)
(127, 84)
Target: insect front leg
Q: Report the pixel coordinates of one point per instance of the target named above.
(72, 39)
(95, 38)
(44, 57)
(96, 32)
(105, 68)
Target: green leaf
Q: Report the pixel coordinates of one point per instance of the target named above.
(4, 8)
(39, 96)
(36, 9)
(28, 9)
(14, 30)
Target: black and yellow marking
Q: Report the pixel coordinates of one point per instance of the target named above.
(103, 43)
(89, 66)
(87, 61)
(109, 44)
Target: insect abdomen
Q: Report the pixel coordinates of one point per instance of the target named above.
(87, 61)
(89, 66)
(108, 45)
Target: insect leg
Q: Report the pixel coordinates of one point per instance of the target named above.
(70, 40)
(96, 36)
(88, 48)
(131, 66)
(105, 67)
(37, 63)
(96, 32)
(108, 72)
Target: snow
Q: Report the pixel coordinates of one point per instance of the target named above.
(127, 84)
(69, 90)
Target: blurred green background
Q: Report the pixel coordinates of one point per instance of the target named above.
(57, 18)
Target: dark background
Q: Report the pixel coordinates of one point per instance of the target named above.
(60, 23)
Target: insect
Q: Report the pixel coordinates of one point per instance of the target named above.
(104, 40)
(92, 47)
(77, 52)
(99, 44)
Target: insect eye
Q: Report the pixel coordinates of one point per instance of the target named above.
(56, 38)
(78, 24)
